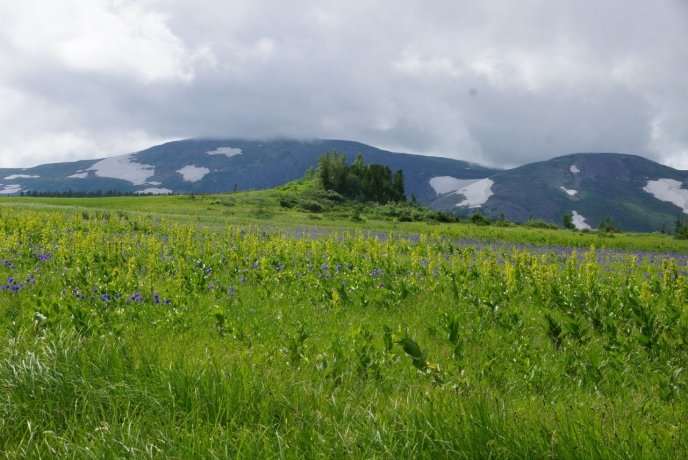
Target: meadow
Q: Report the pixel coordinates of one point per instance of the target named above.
(229, 326)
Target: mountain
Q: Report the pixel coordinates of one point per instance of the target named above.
(225, 165)
(637, 193)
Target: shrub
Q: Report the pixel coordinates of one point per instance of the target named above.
(311, 206)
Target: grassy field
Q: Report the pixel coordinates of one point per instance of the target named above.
(236, 326)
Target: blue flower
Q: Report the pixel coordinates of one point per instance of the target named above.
(325, 267)
(105, 297)
(231, 290)
(136, 297)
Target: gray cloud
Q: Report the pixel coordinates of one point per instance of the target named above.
(496, 82)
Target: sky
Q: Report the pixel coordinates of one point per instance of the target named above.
(496, 82)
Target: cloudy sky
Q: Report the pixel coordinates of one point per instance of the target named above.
(499, 82)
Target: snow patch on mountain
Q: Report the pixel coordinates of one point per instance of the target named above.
(123, 167)
(154, 191)
(569, 192)
(21, 176)
(579, 221)
(574, 169)
(78, 175)
(193, 173)
(446, 184)
(668, 190)
(10, 189)
(475, 194)
(227, 151)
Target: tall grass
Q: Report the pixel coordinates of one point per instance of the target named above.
(131, 337)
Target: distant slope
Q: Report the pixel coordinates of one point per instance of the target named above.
(223, 165)
(637, 193)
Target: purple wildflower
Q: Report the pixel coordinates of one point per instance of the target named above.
(136, 297)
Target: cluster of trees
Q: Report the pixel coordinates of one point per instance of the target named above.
(681, 229)
(360, 181)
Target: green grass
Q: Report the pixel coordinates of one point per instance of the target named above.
(243, 340)
(264, 209)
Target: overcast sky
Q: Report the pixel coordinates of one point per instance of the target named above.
(498, 82)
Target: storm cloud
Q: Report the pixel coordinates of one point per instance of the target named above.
(495, 82)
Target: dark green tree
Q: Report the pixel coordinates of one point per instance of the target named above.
(567, 220)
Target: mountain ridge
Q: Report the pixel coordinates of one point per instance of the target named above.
(638, 193)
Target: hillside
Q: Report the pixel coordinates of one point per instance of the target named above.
(224, 165)
(637, 193)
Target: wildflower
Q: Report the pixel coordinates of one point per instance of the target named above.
(39, 317)
(325, 267)
(242, 280)
(231, 290)
(105, 297)
(156, 298)
(44, 257)
(376, 272)
(136, 297)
